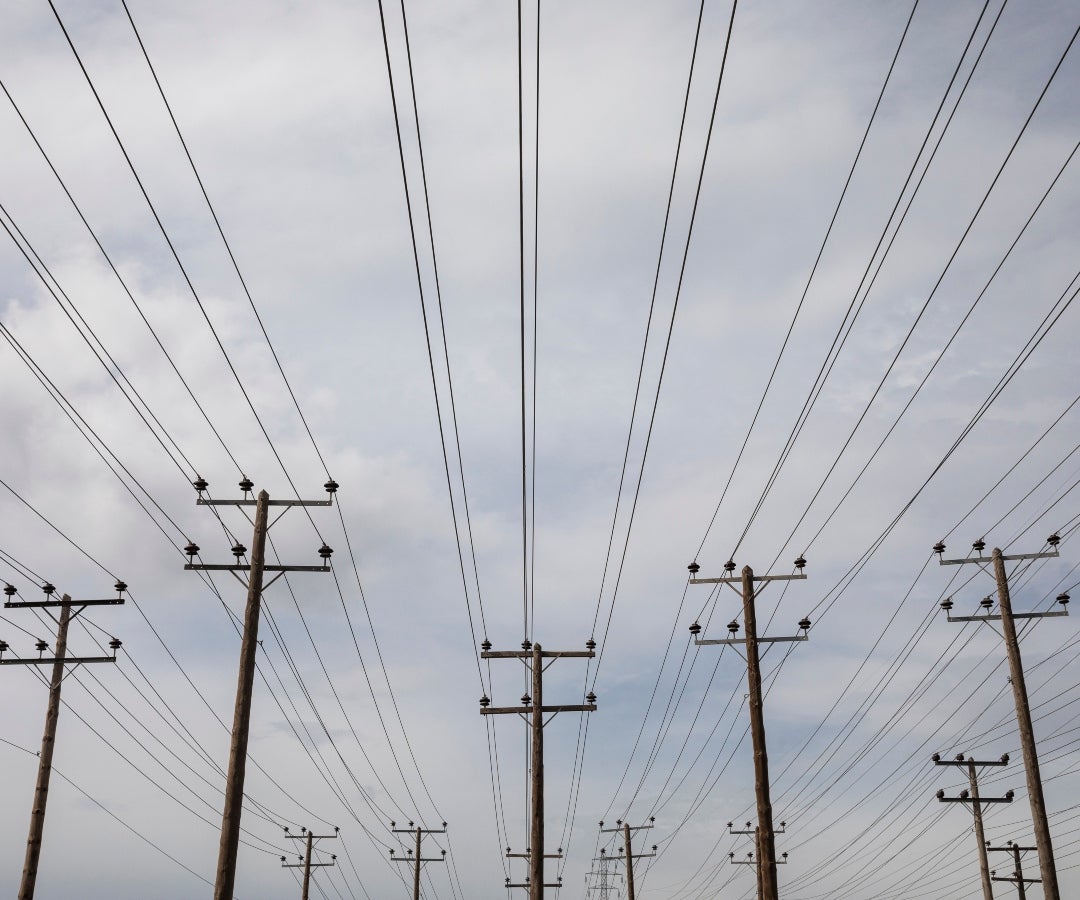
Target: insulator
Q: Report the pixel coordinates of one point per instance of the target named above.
(986, 603)
(525, 699)
(331, 486)
(526, 645)
(9, 589)
(48, 589)
(947, 604)
(120, 587)
(325, 552)
(979, 545)
(729, 566)
(1009, 796)
(959, 757)
(733, 626)
(941, 795)
(1005, 758)
(964, 794)
(804, 624)
(694, 568)
(939, 547)
(246, 485)
(695, 629)
(201, 484)
(936, 757)
(116, 643)
(590, 644)
(485, 701)
(800, 562)
(3, 646)
(239, 550)
(486, 645)
(1054, 539)
(191, 549)
(41, 646)
(591, 697)
(1063, 599)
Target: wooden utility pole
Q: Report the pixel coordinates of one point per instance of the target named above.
(1007, 617)
(52, 713)
(416, 860)
(767, 851)
(628, 849)
(256, 568)
(534, 709)
(1018, 873)
(972, 796)
(307, 865)
(750, 857)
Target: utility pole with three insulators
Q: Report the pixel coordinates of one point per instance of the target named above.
(766, 835)
(305, 861)
(1008, 618)
(417, 861)
(972, 796)
(1017, 877)
(750, 860)
(255, 568)
(625, 828)
(532, 711)
(58, 661)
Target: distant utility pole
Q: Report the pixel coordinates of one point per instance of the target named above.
(630, 856)
(234, 784)
(1016, 672)
(532, 711)
(604, 890)
(417, 859)
(767, 852)
(52, 713)
(307, 865)
(750, 857)
(972, 796)
(1018, 873)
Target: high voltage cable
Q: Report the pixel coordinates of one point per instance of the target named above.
(119, 277)
(813, 272)
(113, 815)
(224, 240)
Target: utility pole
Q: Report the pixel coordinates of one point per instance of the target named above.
(1018, 873)
(52, 713)
(972, 796)
(767, 851)
(234, 783)
(750, 860)
(307, 865)
(532, 712)
(626, 828)
(417, 859)
(1007, 617)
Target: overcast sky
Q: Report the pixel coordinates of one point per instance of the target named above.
(125, 377)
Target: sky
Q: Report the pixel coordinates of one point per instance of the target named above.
(789, 279)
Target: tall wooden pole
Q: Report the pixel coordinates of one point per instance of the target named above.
(1020, 888)
(767, 841)
(536, 851)
(416, 866)
(48, 743)
(307, 868)
(1047, 868)
(234, 785)
(976, 808)
(629, 862)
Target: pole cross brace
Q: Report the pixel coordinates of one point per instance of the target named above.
(528, 855)
(760, 640)
(48, 660)
(40, 604)
(203, 501)
(728, 579)
(1004, 556)
(523, 710)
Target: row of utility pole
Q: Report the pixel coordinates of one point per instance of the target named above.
(537, 714)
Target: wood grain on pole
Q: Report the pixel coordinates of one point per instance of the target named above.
(976, 808)
(234, 785)
(767, 860)
(307, 868)
(1047, 868)
(416, 866)
(629, 862)
(48, 743)
(536, 856)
